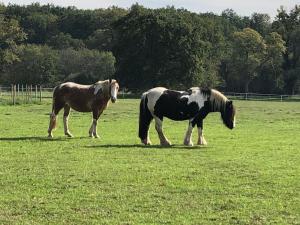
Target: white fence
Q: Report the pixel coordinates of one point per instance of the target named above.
(19, 94)
(263, 97)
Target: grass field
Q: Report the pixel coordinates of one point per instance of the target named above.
(249, 175)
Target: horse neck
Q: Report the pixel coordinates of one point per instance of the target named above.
(217, 101)
(106, 90)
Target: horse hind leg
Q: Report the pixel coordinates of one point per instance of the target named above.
(201, 139)
(56, 107)
(66, 120)
(52, 124)
(158, 126)
(145, 119)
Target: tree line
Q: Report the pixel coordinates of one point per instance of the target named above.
(142, 48)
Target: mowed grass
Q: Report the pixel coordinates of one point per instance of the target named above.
(249, 175)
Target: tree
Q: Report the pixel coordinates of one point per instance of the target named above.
(168, 47)
(261, 23)
(63, 41)
(85, 66)
(288, 26)
(37, 65)
(251, 52)
(10, 36)
(101, 39)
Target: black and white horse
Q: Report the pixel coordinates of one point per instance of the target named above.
(193, 105)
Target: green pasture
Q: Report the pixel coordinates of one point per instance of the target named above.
(249, 175)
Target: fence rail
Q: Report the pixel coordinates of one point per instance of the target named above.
(24, 93)
(263, 97)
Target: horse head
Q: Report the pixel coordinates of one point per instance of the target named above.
(114, 88)
(228, 115)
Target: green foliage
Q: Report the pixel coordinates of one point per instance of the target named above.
(37, 65)
(244, 176)
(63, 41)
(11, 34)
(157, 47)
(250, 54)
(85, 66)
(43, 65)
(174, 48)
(288, 25)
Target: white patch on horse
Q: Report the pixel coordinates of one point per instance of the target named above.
(153, 95)
(196, 96)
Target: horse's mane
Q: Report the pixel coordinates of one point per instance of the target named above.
(103, 86)
(217, 100)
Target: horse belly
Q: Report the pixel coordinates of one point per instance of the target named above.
(80, 106)
(178, 116)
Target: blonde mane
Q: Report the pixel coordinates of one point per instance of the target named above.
(218, 100)
(102, 85)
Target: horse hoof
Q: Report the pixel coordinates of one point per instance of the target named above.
(96, 136)
(202, 143)
(166, 144)
(69, 135)
(190, 144)
(50, 136)
(146, 142)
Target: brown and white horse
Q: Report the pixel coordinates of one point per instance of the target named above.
(82, 98)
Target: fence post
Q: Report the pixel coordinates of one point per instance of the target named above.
(22, 90)
(246, 96)
(13, 95)
(40, 93)
(35, 95)
(18, 91)
(26, 93)
(31, 93)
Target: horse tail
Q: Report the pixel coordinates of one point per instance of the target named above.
(145, 118)
(53, 122)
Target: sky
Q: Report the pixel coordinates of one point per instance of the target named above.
(241, 7)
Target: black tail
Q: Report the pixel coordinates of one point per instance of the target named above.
(145, 118)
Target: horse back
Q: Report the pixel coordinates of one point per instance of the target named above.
(79, 97)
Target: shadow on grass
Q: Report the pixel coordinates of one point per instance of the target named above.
(146, 146)
(122, 146)
(32, 139)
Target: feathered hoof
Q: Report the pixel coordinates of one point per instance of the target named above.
(188, 143)
(69, 135)
(165, 143)
(146, 142)
(202, 141)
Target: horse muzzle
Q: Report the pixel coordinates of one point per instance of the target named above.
(113, 99)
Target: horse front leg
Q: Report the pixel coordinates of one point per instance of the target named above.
(188, 136)
(66, 120)
(158, 126)
(93, 129)
(201, 139)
